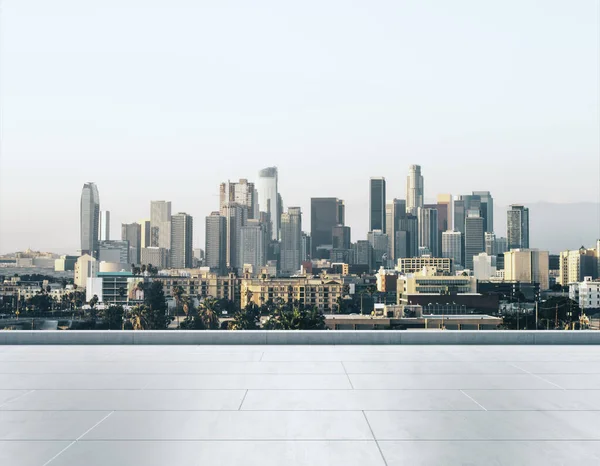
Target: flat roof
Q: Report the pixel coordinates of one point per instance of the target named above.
(299, 405)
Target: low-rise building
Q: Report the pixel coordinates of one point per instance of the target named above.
(428, 281)
(442, 265)
(321, 292)
(586, 293)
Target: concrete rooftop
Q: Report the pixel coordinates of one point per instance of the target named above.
(299, 405)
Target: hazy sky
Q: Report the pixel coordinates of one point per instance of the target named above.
(165, 99)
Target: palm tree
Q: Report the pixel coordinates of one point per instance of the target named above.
(209, 313)
(177, 294)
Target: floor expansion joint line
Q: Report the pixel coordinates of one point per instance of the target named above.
(17, 398)
(537, 376)
(374, 438)
(474, 400)
(78, 439)
(243, 399)
(347, 375)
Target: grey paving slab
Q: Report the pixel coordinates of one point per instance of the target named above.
(222, 453)
(485, 425)
(537, 400)
(386, 400)
(47, 425)
(171, 367)
(449, 381)
(495, 453)
(73, 381)
(249, 381)
(29, 453)
(128, 400)
(265, 404)
(430, 367)
(233, 425)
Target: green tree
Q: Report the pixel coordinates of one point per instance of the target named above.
(209, 313)
(177, 294)
(247, 318)
(154, 296)
(296, 316)
(113, 317)
(143, 317)
(93, 310)
(558, 312)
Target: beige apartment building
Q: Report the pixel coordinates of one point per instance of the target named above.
(321, 292)
(578, 264)
(528, 266)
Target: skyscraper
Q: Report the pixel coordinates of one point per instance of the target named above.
(306, 247)
(145, 227)
(428, 230)
(235, 217)
(517, 224)
(132, 233)
(182, 249)
(242, 192)
(394, 211)
(341, 237)
(452, 247)
(325, 213)
(407, 237)
(446, 221)
(487, 209)
(160, 224)
(379, 242)
(90, 219)
(474, 237)
(291, 240)
(414, 190)
(377, 220)
(216, 242)
(268, 197)
(490, 243)
(104, 225)
(253, 245)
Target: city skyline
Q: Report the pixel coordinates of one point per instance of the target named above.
(199, 233)
(511, 122)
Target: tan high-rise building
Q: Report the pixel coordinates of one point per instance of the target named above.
(145, 227)
(446, 199)
(578, 264)
(528, 266)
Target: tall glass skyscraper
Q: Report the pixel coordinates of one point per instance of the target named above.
(90, 219)
(377, 218)
(291, 240)
(160, 224)
(182, 249)
(325, 213)
(429, 231)
(216, 242)
(517, 224)
(414, 190)
(268, 197)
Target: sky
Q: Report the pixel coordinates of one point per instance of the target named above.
(166, 99)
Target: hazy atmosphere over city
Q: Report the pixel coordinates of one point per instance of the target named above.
(165, 100)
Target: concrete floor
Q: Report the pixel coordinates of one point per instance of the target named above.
(299, 405)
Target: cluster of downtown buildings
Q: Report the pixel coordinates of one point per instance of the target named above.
(251, 230)
(251, 239)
